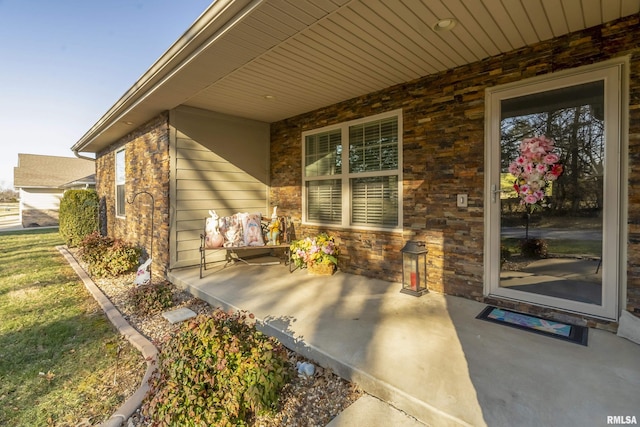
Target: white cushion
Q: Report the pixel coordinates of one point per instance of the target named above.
(629, 327)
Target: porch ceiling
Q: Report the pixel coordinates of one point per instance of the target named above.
(272, 59)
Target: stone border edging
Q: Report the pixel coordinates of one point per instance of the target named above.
(148, 350)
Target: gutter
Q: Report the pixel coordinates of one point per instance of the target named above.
(80, 156)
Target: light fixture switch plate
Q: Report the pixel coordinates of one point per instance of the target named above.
(462, 200)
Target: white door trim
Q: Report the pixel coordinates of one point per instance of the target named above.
(614, 267)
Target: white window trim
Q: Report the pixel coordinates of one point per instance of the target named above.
(346, 175)
(116, 183)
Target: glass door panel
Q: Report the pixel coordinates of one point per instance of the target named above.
(551, 200)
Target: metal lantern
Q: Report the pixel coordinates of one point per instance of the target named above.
(414, 268)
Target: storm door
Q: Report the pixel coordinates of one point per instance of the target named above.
(553, 186)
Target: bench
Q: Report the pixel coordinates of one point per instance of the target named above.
(242, 232)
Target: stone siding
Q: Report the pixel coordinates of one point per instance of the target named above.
(443, 152)
(147, 169)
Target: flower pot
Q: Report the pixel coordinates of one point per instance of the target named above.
(321, 269)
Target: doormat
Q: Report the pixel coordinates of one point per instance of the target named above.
(551, 328)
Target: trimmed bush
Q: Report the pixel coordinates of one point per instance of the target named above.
(108, 257)
(93, 246)
(121, 258)
(151, 298)
(78, 215)
(217, 371)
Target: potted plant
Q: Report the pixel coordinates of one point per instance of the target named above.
(318, 254)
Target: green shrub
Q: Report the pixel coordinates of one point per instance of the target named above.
(534, 248)
(78, 215)
(121, 257)
(151, 298)
(108, 257)
(217, 371)
(94, 246)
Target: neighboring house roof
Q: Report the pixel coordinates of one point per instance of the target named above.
(38, 171)
(268, 60)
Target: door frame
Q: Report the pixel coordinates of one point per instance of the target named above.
(614, 73)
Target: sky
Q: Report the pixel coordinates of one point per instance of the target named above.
(64, 63)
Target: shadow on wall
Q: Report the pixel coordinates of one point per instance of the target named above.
(102, 216)
(240, 142)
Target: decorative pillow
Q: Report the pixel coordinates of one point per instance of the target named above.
(252, 229)
(231, 229)
(629, 327)
(213, 238)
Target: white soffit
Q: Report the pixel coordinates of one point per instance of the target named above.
(307, 54)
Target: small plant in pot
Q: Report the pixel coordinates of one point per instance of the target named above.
(534, 248)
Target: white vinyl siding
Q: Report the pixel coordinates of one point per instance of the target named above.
(366, 191)
(40, 198)
(120, 182)
(219, 163)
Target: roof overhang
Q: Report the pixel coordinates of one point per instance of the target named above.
(268, 61)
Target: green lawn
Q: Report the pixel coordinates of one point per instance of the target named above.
(59, 355)
(561, 246)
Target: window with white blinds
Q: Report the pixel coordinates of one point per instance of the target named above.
(322, 154)
(366, 192)
(324, 201)
(374, 201)
(374, 146)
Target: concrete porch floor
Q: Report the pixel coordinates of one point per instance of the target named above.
(429, 356)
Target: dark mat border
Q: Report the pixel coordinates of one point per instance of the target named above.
(578, 335)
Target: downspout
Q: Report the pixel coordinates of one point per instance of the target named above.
(80, 156)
